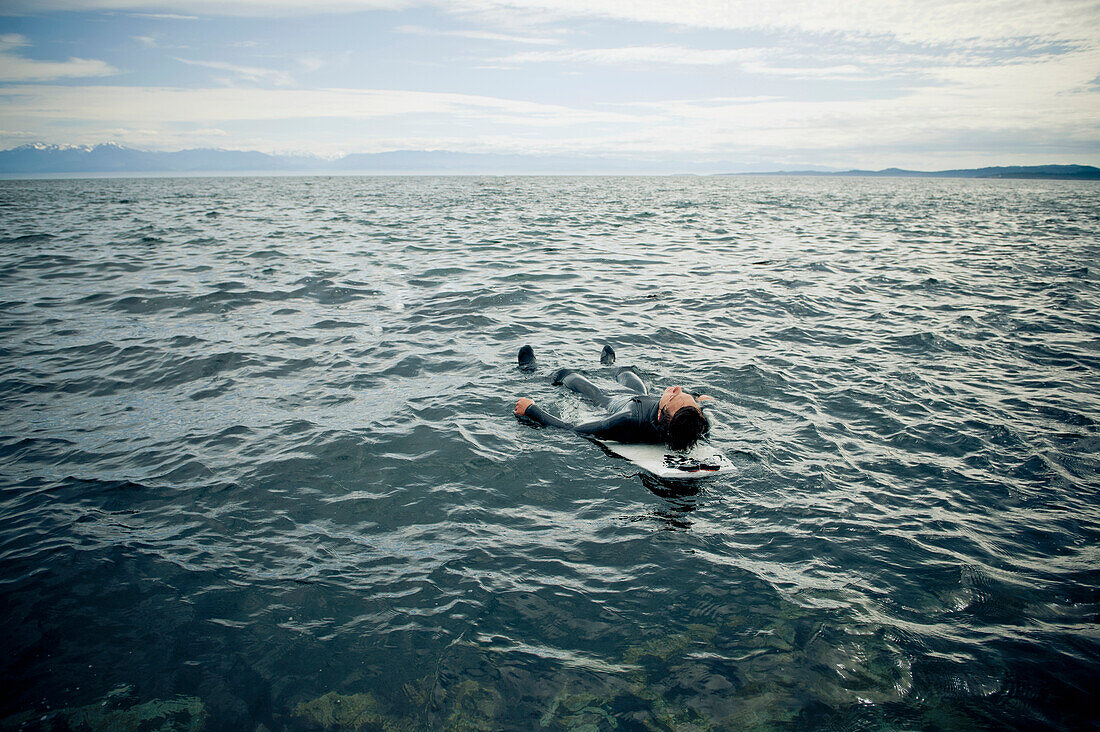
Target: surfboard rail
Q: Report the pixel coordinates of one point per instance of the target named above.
(702, 461)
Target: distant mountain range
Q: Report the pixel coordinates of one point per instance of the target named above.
(1070, 172)
(40, 159)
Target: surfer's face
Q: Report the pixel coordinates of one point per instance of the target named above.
(673, 399)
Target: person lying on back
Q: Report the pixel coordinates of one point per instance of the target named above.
(675, 418)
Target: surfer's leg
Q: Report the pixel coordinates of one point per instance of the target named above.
(629, 378)
(572, 380)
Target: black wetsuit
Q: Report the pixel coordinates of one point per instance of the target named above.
(631, 417)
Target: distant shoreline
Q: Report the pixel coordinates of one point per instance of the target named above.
(40, 161)
(1014, 172)
(170, 174)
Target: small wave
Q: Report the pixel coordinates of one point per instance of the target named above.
(264, 429)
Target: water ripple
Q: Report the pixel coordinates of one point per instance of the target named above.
(258, 451)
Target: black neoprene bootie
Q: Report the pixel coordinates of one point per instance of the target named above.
(527, 358)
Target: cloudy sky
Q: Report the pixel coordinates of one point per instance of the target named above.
(870, 83)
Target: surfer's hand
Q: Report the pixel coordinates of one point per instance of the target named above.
(704, 398)
(522, 405)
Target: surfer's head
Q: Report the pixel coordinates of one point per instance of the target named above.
(683, 421)
(686, 427)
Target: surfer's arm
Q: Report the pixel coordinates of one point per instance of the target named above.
(620, 427)
(615, 427)
(527, 408)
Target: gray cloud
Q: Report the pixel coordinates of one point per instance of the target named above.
(14, 67)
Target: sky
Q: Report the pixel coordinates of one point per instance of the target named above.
(923, 84)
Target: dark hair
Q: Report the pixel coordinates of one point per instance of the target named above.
(686, 427)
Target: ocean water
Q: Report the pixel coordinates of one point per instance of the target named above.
(259, 469)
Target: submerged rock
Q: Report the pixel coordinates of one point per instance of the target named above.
(667, 647)
(117, 712)
(350, 713)
(473, 707)
(341, 711)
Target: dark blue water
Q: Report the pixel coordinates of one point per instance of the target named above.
(259, 467)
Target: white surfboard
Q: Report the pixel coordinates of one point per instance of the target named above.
(702, 461)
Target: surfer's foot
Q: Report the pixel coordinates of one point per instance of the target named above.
(607, 357)
(527, 358)
(559, 376)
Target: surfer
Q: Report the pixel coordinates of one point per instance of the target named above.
(674, 418)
